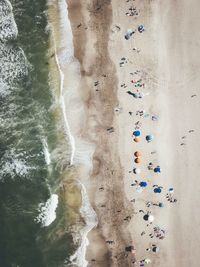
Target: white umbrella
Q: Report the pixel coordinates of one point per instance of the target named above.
(147, 261)
(139, 189)
(151, 218)
(171, 190)
(137, 170)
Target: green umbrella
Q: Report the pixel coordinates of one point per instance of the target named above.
(147, 261)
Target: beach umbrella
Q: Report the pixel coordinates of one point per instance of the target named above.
(135, 95)
(151, 218)
(140, 95)
(136, 133)
(149, 137)
(130, 31)
(157, 190)
(146, 217)
(129, 248)
(143, 184)
(171, 190)
(157, 169)
(161, 205)
(147, 261)
(137, 170)
(141, 28)
(137, 160)
(155, 249)
(137, 139)
(138, 154)
(139, 189)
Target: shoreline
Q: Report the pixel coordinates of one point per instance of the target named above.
(80, 215)
(101, 113)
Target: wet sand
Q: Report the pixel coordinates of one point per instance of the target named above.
(106, 184)
(169, 65)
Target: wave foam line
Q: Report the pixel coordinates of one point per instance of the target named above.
(67, 128)
(47, 211)
(90, 218)
(66, 54)
(46, 151)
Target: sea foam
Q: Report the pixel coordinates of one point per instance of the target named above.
(74, 117)
(47, 211)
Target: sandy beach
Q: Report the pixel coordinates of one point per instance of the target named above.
(158, 65)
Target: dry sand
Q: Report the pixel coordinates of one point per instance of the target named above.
(169, 61)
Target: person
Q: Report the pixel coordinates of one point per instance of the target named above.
(136, 183)
(150, 166)
(148, 204)
(182, 144)
(154, 118)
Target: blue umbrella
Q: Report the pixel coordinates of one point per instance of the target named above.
(157, 190)
(136, 133)
(161, 205)
(141, 28)
(149, 137)
(157, 169)
(143, 184)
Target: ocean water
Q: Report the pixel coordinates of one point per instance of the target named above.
(33, 228)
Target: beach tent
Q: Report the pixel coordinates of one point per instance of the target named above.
(161, 205)
(157, 169)
(137, 170)
(136, 133)
(143, 184)
(157, 190)
(149, 137)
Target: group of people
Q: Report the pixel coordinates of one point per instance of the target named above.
(135, 90)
